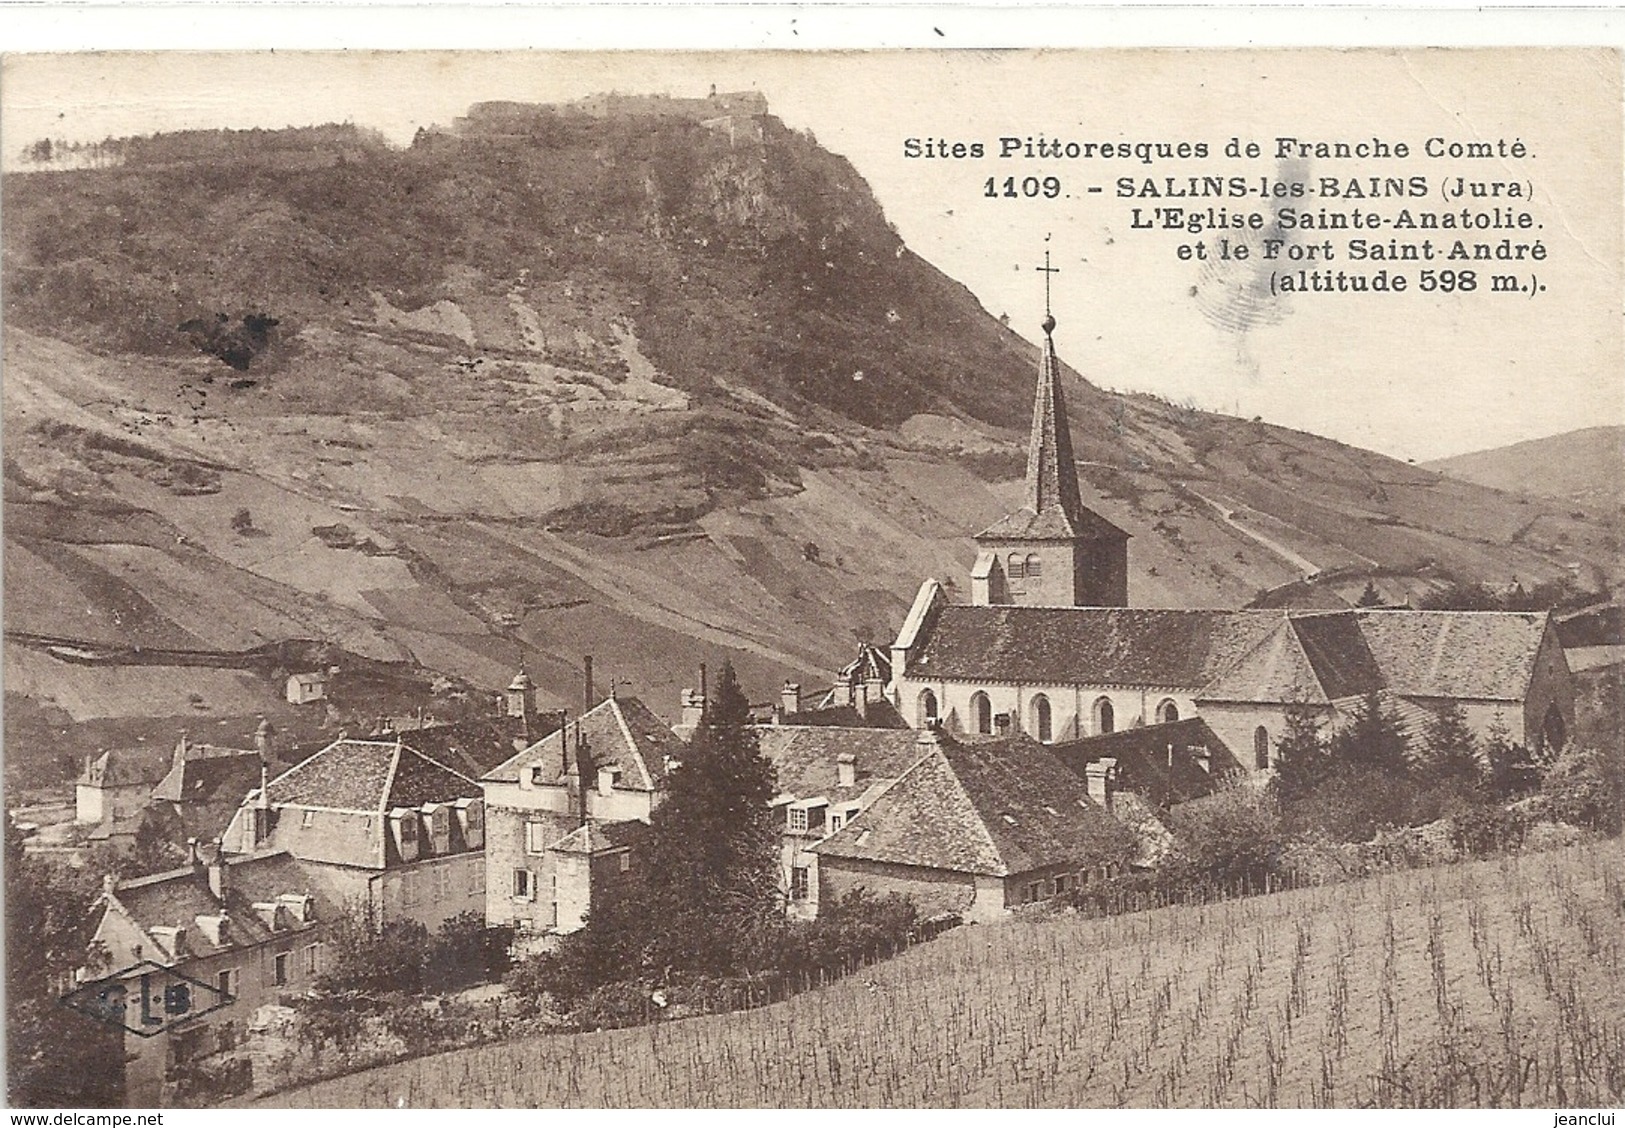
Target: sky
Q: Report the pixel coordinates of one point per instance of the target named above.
(1413, 375)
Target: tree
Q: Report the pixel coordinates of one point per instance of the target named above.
(1370, 597)
(55, 1056)
(713, 843)
(373, 960)
(1302, 756)
(1450, 753)
(1373, 741)
(1510, 770)
(1460, 595)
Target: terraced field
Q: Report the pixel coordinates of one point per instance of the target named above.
(1492, 983)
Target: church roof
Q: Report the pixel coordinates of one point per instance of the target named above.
(1088, 645)
(1000, 808)
(1483, 655)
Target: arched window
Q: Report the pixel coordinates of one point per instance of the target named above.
(1042, 726)
(1553, 732)
(1016, 567)
(1261, 747)
(1105, 721)
(928, 708)
(1035, 566)
(1167, 712)
(981, 713)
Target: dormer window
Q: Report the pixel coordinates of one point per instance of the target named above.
(536, 777)
(798, 820)
(308, 820)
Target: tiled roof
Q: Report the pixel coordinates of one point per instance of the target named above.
(1487, 655)
(1145, 764)
(1274, 669)
(206, 772)
(620, 732)
(805, 757)
(1052, 524)
(367, 776)
(1000, 808)
(474, 747)
(598, 837)
(880, 714)
(177, 898)
(1337, 649)
(125, 767)
(1087, 645)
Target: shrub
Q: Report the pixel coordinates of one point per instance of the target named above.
(1233, 836)
(1585, 788)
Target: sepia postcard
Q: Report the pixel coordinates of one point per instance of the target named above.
(1049, 577)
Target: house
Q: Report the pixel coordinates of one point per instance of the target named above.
(1049, 646)
(565, 813)
(113, 790)
(205, 784)
(1164, 764)
(251, 927)
(302, 689)
(391, 830)
(975, 828)
(858, 698)
(826, 776)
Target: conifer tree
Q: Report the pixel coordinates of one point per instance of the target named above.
(1374, 741)
(1451, 752)
(1302, 757)
(713, 843)
(1370, 597)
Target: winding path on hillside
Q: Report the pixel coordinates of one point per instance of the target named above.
(1302, 563)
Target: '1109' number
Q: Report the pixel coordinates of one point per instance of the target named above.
(1030, 187)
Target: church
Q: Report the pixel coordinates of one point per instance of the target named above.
(1049, 645)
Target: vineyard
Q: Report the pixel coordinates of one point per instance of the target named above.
(1495, 983)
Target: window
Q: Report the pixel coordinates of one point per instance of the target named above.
(442, 882)
(409, 827)
(409, 889)
(279, 969)
(981, 713)
(225, 1037)
(1062, 881)
(227, 982)
(1035, 891)
(309, 819)
(535, 838)
(313, 959)
(536, 777)
(553, 920)
(1105, 720)
(798, 820)
(1261, 747)
(798, 883)
(1042, 724)
(1035, 567)
(835, 823)
(626, 860)
(1167, 712)
(524, 885)
(476, 879)
(1016, 568)
(928, 709)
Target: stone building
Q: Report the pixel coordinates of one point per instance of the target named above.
(565, 815)
(396, 834)
(1060, 656)
(249, 927)
(975, 828)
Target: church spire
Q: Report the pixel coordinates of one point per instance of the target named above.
(1052, 476)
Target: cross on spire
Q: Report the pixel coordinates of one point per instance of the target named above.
(1047, 270)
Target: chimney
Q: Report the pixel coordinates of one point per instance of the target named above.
(521, 695)
(860, 701)
(693, 707)
(846, 770)
(1101, 776)
(262, 740)
(109, 883)
(191, 852)
(180, 750)
(219, 873)
(590, 696)
(790, 699)
(584, 772)
(1203, 757)
(930, 736)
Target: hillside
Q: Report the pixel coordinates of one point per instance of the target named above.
(1437, 988)
(550, 383)
(1586, 466)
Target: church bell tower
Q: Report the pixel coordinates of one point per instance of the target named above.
(1052, 552)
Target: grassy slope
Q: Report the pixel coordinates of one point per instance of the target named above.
(1414, 987)
(600, 380)
(1586, 465)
